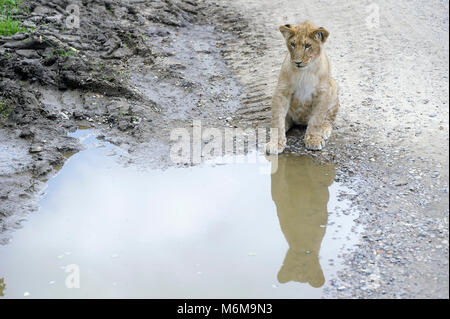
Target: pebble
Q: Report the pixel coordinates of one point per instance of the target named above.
(36, 149)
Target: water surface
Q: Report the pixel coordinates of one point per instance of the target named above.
(209, 231)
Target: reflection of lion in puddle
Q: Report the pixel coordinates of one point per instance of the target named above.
(300, 192)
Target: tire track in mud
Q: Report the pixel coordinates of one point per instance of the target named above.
(391, 136)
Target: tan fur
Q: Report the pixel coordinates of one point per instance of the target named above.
(307, 94)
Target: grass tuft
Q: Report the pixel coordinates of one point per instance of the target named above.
(5, 110)
(9, 25)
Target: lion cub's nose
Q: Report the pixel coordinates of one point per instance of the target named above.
(299, 63)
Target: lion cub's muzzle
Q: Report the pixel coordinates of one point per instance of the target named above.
(299, 64)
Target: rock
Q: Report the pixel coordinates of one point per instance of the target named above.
(77, 115)
(36, 149)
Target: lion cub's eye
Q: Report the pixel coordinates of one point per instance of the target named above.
(307, 46)
(293, 44)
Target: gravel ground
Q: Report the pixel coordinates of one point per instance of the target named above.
(133, 77)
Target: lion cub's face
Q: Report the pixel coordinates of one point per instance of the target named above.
(304, 42)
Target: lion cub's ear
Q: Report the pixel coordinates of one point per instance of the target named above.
(286, 30)
(320, 34)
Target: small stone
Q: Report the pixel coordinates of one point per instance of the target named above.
(77, 115)
(36, 149)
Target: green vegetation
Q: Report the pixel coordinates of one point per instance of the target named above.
(61, 52)
(9, 25)
(8, 5)
(5, 110)
(57, 52)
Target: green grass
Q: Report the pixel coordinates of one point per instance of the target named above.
(62, 52)
(9, 4)
(9, 25)
(5, 110)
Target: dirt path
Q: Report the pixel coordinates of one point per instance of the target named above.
(391, 137)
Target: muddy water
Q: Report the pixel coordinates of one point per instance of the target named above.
(200, 232)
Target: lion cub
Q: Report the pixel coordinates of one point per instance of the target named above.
(306, 93)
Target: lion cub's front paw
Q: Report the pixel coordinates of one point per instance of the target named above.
(314, 142)
(273, 148)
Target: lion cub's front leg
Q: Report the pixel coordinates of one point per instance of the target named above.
(320, 123)
(316, 136)
(280, 107)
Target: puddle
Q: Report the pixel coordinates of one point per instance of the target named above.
(224, 231)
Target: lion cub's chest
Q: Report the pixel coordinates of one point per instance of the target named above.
(304, 86)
